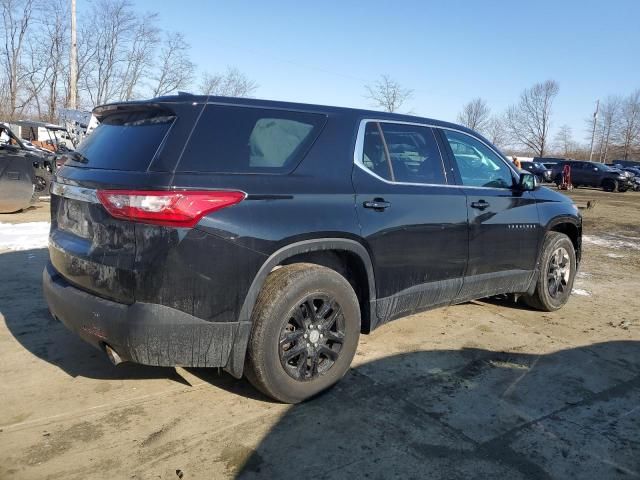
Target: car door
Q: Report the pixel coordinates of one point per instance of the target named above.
(504, 230)
(413, 220)
(579, 175)
(16, 176)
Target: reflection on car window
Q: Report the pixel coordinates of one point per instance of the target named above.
(413, 154)
(479, 166)
(230, 139)
(373, 155)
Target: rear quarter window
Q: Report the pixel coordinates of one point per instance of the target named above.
(249, 140)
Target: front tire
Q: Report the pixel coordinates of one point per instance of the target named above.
(557, 272)
(306, 325)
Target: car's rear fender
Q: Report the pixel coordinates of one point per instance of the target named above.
(235, 365)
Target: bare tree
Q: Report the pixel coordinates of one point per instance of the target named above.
(495, 131)
(475, 115)
(608, 122)
(388, 94)
(112, 22)
(16, 21)
(175, 70)
(629, 133)
(528, 121)
(232, 83)
(146, 39)
(564, 140)
(34, 76)
(4, 99)
(56, 31)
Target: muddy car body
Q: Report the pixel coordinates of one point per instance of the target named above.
(218, 226)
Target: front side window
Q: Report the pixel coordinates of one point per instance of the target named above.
(479, 166)
(402, 153)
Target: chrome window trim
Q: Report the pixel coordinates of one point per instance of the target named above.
(359, 147)
(74, 192)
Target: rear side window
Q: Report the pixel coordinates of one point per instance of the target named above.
(249, 140)
(124, 141)
(415, 156)
(373, 151)
(402, 153)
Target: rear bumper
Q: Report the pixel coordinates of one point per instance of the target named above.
(144, 333)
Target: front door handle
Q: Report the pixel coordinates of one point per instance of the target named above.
(378, 204)
(480, 204)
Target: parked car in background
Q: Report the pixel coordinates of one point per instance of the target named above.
(264, 237)
(47, 136)
(550, 162)
(634, 174)
(592, 174)
(16, 173)
(42, 161)
(542, 173)
(627, 163)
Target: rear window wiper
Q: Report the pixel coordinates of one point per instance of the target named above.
(76, 156)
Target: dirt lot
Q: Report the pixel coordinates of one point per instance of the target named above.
(482, 390)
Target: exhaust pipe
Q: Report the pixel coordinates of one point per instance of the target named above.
(113, 355)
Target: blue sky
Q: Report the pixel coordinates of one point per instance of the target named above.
(448, 52)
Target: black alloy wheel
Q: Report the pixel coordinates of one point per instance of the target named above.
(311, 338)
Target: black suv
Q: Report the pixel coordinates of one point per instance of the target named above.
(264, 237)
(593, 174)
(542, 173)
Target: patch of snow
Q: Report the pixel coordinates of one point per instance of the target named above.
(584, 275)
(24, 236)
(612, 241)
(615, 255)
(580, 292)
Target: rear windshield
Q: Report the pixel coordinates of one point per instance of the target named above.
(249, 140)
(123, 141)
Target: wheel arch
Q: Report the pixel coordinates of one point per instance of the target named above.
(572, 228)
(302, 250)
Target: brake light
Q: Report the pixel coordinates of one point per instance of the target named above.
(170, 208)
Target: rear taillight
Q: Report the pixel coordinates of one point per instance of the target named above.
(170, 208)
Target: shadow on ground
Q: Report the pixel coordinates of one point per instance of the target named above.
(465, 414)
(29, 321)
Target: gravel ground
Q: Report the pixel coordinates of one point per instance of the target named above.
(484, 389)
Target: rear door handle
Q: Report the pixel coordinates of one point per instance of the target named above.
(480, 204)
(378, 204)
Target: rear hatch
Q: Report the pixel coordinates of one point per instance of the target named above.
(133, 148)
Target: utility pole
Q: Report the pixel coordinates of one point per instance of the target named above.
(593, 132)
(73, 70)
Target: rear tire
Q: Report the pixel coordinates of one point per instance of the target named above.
(42, 185)
(303, 308)
(610, 185)
(557, 273)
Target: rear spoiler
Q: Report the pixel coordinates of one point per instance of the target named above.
(102, 111)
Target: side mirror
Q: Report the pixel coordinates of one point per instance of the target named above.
(527, 182)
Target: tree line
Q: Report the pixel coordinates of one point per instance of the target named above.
(525, 128)
(122, 55)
